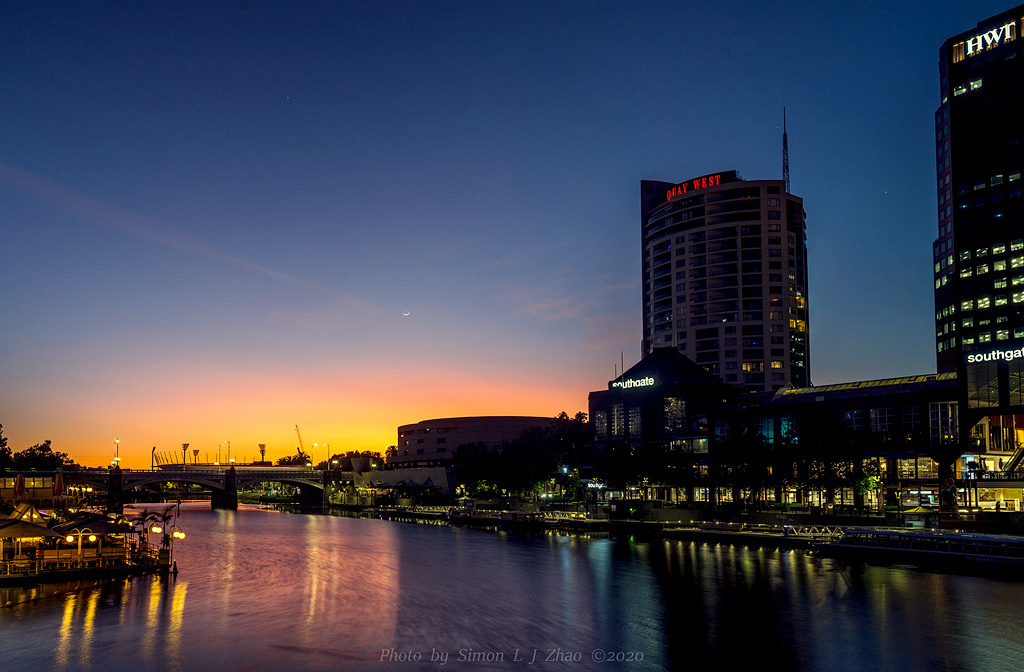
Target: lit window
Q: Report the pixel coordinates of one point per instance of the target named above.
(776, 364)
(1016, 245)
(969, 321)
(967, 305)
(1018, 280)
(998, 249)
(999, 283)
(1001, 300)
(966, 273)
(999, 265)
(1014, 176)
(1018, 332)
(981, 251)
(984, 302)
(968, 340)
(982, 268)
(975, 84)
(984, 338)
(996, 179)
(959, 90)
(1002, 334)
(1017, 262)
(965, 255)
(1018, 297)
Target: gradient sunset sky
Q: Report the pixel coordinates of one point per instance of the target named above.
(224, 219)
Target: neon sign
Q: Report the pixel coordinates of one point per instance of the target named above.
(693, 185)
(634, 382)
(996, 355)
(988, 40)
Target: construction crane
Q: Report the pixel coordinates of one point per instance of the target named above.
(302, 448)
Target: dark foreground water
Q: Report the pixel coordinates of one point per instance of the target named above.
(261, 590)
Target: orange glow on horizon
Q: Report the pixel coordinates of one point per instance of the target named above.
(357, 414)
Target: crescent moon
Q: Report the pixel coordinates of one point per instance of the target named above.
(406, 314)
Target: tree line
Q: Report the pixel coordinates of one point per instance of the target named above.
(525, 463)
(41, 456)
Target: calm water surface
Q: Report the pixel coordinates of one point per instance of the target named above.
(262, 590)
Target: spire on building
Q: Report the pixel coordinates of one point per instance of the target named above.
(785, 153)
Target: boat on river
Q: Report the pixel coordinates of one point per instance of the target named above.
(934, 548)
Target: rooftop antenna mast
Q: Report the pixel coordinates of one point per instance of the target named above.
(785, 152)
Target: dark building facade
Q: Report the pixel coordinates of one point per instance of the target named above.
(979, 252)
(659, 407)
(725, 277)
(669, 426)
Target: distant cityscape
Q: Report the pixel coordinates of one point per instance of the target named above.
(721, 409)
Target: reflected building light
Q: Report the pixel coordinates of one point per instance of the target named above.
(88, 629)
(64, 646)
(173, 648)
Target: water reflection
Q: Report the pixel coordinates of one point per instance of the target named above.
(269, 590)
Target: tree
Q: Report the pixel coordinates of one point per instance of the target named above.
(572, 437)
(6, 460)
(529, 460)
(344, 460)
(299, 459)
(477, 467)
(41, 456)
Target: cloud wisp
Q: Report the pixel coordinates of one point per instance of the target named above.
(138, 226)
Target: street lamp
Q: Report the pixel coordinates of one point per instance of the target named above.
(71, 539)
(117, 452)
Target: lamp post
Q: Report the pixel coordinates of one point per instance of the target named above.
(71, 539)
(117, 452)
(176, 533)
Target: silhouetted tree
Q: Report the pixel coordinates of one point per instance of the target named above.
(41, 456)
(477, 467)
(6, 460)
(299, 459)
(572, 438)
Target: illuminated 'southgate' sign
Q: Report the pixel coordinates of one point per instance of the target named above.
(693, 185)
(990, 39)
(996, 356)
(634, 382)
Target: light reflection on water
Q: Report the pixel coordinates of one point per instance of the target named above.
(263, 590)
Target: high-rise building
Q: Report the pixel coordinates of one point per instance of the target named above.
(725, 277)
(979, 252)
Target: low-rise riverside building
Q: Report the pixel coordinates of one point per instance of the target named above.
(675, 430)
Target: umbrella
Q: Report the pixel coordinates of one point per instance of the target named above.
(19, 487)
(58, 485)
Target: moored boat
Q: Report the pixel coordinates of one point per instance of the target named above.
(944, 548)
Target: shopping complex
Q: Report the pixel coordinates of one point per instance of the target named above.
(721, 408)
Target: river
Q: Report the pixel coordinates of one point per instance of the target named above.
(263, 590)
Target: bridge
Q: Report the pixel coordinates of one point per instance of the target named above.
(222, 482)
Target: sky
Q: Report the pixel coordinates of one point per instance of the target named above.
(224, 220)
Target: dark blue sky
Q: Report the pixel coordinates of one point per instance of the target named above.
(216, 214)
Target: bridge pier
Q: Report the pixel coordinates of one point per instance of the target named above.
(228, 497)
(115, 490)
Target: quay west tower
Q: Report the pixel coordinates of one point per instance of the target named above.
(979, 252)
(725, 277)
